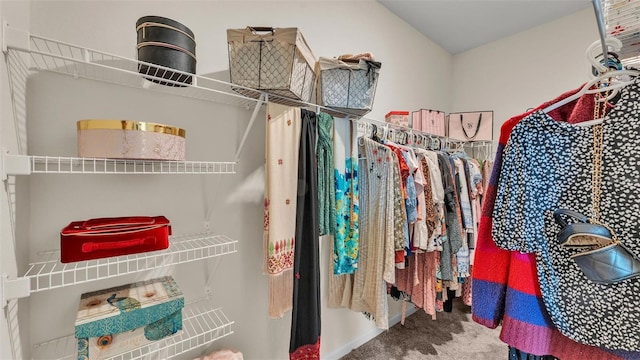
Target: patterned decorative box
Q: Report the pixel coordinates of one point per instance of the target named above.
(120, 319)
(126, 139)
(397, 118)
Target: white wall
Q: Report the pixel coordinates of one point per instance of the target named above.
(15, 320)
(213, 131)
(411, 64)
(524, 70)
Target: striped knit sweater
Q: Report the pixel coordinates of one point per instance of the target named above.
(505, 283)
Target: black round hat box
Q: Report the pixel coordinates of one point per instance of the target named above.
(167, 43)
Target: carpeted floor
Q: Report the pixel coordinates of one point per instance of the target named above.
(452, 336)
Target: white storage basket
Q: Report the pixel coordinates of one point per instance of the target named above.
(347, 86)
(273, 60)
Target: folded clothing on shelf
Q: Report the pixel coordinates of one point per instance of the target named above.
(120, 319)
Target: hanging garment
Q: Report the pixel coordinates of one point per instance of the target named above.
(377, 267)
(440, 233)
(448, 303)
(589, 313)
(400, 177)
(453, 242)
(281, 186)
(345, 253)
(475, 193)
(431, 214)
(425, 228)
(305, 317)
(418, 281)
(401, 233)
(466, 291)
(463, 193)
(505, 284)
(419, 231)
(462, 256)
(326, 180)
(411, 202)
(487, 167)
(474, 179)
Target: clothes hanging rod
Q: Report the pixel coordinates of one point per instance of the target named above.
(597, 8)
(411, 130)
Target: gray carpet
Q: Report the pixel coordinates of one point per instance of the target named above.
(453, 336)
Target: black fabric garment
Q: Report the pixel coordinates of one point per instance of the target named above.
(447, 306)
(453, 242)
(515, 354)
(447, 182)
(305, 319)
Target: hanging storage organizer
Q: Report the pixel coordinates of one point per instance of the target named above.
(349, 86)
(274, 60)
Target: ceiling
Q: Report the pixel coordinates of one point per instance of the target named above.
(461, 25)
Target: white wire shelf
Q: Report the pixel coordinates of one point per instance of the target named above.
(47, 272)
(25, 165)
(201, 325)
(45, 54)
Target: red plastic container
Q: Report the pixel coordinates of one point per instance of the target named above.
(107, 237)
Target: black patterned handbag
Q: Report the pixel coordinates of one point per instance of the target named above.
(605, 259)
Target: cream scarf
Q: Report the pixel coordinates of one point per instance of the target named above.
(281, 186)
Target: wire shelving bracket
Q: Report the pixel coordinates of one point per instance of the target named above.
(201, 325)
(47, 272)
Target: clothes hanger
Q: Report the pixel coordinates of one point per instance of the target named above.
(594, 51)
(613, 63)
(386, 133)
(615, 79)
(365, 132)
(436, 143)
(405, 137)
(374, 134)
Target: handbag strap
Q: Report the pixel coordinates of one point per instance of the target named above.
(596, 173)
(559, 213)
(117, 222)
(475, 132)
